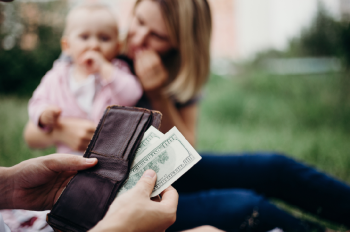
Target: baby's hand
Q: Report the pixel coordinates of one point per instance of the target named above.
(49, 117)
(94, 62)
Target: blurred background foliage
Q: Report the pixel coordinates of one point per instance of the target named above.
(306, 117)
(30, 43)
(325, 36)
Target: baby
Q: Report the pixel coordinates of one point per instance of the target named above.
(92, 79)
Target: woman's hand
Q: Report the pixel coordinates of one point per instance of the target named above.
(36, 184)
(135, 211)
(150, 71)
(76, 133)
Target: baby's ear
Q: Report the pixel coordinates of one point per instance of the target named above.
(64, 44)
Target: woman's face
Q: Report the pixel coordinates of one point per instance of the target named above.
(148, 30)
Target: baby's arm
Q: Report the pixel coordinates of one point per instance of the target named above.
(42, 111)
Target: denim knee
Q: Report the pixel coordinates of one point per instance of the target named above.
(278, 162)
(224, 208)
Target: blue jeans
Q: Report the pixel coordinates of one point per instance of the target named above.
(230, 193)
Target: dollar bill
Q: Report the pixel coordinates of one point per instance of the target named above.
(170, 157)
(151, 135)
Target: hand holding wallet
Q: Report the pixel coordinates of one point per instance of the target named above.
(88, 195)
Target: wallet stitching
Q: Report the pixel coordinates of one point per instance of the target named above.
(105, 177)
(110, 157)
(130, 108)
(131, 131)
(159, 119)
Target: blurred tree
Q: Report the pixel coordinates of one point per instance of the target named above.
(30, 42)
(331, 38)
(321, 38)
(21, 71)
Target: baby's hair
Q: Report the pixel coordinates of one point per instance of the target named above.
(91, 6)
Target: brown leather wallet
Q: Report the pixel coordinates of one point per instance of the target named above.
(86, 198)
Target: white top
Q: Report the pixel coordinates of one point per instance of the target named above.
(83, 91)
(3, 226)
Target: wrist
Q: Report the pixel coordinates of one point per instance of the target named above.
(57, 135)
(7, 187)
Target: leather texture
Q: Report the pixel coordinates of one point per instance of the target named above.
(86, 198)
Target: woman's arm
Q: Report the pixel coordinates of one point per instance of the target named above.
(153, 76)
(76, 133)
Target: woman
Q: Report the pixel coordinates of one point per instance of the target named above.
(168, 47)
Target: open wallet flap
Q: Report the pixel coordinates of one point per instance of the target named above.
(87, 197)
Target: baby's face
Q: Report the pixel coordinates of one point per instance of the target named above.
(91, 30)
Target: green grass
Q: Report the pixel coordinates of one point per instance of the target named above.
(304, 117)
(301, 116)
(13, 117)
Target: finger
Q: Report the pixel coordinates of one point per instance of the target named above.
(67, 162)
(87, 126)
(138, 60)
(170, 197)
(146, 183)
(82, 58)
(57, 112)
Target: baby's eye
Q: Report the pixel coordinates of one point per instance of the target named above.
(84, 36)
(140, 22)
(105, 38)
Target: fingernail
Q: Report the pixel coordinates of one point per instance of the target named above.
(149, 174)
(90, 161)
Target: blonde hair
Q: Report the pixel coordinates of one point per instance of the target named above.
(189, 24)
(91, 6)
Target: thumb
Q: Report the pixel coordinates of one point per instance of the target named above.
(57, 112)
(66, 162)
(147, 182)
